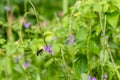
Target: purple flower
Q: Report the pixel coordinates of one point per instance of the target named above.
(16, 59)
(27, 63)
(105, 76)
(7, 8)
(71, 39)
(27, 25)
(91, 78)
(48, 49)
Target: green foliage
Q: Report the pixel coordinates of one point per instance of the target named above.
(93, 50)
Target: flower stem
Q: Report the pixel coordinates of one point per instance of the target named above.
(67, 68)
(88, 43)
(42, 33)
(106, 43)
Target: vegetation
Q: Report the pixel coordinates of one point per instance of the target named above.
(59, 40)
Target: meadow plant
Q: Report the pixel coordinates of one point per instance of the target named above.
(81, 36)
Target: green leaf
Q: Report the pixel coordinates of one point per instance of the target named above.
(98, 29)
(18, 69)
(113, 19)
(117, 3)
(2, 41)
(94, 48)
(80, 64)
(81, 35)
(84, 76)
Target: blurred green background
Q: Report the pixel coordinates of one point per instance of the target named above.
(80, 39)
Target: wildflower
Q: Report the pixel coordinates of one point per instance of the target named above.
(16, 59)
(27, 63)
(48, 49)
(71, 39)
(27, 25)
(105, 76)
(7, 8)
(54, 38)
(91, 78)
(102, 34)
(43, 23)
(106, 37)
(21, 55)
